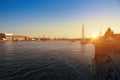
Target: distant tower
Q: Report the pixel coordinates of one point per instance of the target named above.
(100, 33)
(83, 31)
(83, 41)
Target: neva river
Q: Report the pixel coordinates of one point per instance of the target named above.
(50, 60)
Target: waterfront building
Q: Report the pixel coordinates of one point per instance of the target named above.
(2, 36)
(110, 39)
(109, 33)
(9, 37)
(28, 38)
(19, 38)
(117, 37)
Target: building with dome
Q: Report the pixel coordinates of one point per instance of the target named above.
(109, 33)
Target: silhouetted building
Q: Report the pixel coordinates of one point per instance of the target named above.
(110, 39)
(117, 37)
(2, 36)
(109, 33)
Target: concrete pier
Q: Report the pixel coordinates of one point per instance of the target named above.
(106, 62)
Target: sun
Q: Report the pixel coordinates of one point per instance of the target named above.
(94, 36)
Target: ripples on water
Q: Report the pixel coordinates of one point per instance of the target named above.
(51, 60)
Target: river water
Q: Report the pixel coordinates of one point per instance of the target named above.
(49, 60)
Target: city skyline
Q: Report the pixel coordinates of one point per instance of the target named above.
(59, 18)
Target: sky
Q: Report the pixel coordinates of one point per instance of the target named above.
(59, 18)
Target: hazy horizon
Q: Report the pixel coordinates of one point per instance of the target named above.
(59, 18)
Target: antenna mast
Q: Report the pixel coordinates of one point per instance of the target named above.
(83, 31)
